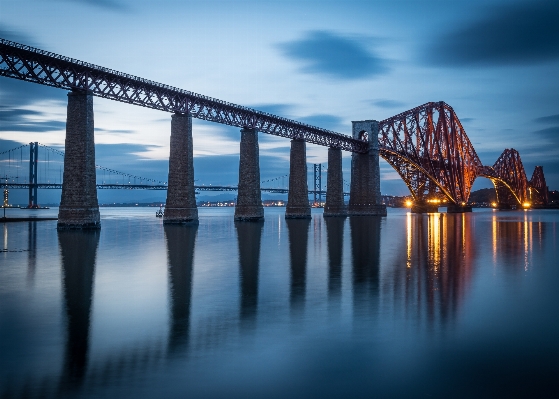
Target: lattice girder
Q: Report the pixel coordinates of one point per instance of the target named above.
(430, 150)
(38, 66)
(509, 178)
(537, 187)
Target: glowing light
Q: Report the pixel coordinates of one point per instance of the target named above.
(526, 205)
(494, 204)
(409, 204)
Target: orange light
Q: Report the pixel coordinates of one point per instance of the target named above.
(494, 204)
(409, 204)
(526, 205)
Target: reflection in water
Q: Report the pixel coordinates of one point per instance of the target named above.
(439, 254)
(31, 251)
(514, 239)
(365, 248)
(249, 236)
(335, 232)
(78, 251)
(180, 254)
(298, 232)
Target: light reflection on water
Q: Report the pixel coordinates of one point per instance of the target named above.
(431, 305)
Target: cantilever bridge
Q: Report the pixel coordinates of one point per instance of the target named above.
(426, 145)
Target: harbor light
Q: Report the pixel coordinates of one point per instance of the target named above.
(409, 204)
(526, 205)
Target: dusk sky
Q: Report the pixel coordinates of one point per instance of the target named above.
(326, 63)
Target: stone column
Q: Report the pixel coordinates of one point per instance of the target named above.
(180, 207)
(298, 198)
(79, 208)
(365, 198)
(335, 205)
(249, 200)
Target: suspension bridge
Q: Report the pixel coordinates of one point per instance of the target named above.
(41, 168)
(426, 145)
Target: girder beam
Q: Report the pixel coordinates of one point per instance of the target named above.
(38, 66)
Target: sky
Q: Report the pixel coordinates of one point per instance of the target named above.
(326, 63)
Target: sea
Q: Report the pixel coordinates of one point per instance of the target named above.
(404, 306)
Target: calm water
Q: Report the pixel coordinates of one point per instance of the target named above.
(404, 306)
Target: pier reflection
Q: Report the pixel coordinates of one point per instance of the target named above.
(249, 236)
(180, 242)
(78, 250)
(335, 238)
(31, 251)
(365, 250)
(298, 233)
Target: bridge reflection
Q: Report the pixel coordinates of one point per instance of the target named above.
(298, 232)
(365, 250)
(335, 236)
(249, 236)
(426, 278)
(180, 255)
(78, 250)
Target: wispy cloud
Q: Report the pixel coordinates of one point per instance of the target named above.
(112, 5)
(548, 119)
(25, 120)
(335, 56)
(384, 103)
(511, 34)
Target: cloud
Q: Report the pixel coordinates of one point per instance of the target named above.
(330, 122)
(20, 120)
(384, 103)
(548, 119)
(113, 5)
(334, 56)
(114, 131)
(551, 133)
(17, 93)
(16, 36)
(275, 109)
(512, 34)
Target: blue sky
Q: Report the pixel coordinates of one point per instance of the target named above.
(321, 62)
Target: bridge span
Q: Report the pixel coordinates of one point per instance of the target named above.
(426, 145)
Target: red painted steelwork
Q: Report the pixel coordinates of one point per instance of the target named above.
(538, 188)
(429, 148)
(509, 178)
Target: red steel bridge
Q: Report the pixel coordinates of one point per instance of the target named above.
(426, 145)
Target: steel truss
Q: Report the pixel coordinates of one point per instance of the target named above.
(509, 178)
(429, 148)
(38, 66)
(537, 188)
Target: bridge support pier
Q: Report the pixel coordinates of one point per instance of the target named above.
(180, 207)
(79, 208)
(365, 198)
(424, 207)
(249, 198)
(335, 205)
(458, 209)
(298, 198)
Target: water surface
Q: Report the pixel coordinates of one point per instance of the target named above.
(438, 305)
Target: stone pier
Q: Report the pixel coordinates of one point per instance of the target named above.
(79, 208)
(335, 205)
(298, 198)
(365, 198)
(180, 207)
(249, 199)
